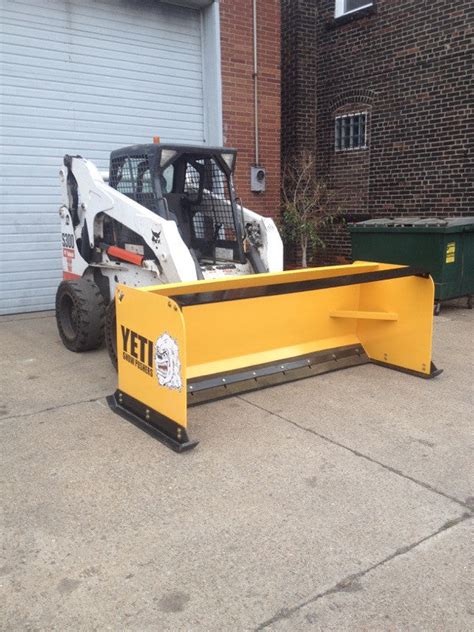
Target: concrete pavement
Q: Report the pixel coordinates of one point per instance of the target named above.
(341, 502)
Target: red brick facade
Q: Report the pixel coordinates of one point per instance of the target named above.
(238, 96)
(407, 65)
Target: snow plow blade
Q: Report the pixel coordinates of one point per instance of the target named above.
(188, 343)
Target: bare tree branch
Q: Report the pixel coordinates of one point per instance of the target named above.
(306, 204)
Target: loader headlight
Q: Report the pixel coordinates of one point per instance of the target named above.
(229, 160)
(167, 155)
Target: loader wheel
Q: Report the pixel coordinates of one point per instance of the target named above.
(111, 332)
(80, 313)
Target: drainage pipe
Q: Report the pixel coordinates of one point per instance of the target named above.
(255, 82)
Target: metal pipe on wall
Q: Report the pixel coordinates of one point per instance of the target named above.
(255, 81)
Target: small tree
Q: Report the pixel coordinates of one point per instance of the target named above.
(306, 205)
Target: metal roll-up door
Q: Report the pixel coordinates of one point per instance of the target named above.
(82, 77)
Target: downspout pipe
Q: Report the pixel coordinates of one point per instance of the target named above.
(255, 82)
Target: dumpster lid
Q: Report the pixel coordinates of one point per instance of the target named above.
(448, 222)
(389, 221)
(460, 221)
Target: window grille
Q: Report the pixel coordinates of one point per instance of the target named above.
(351, 131)
(207, 188)
(131, 176)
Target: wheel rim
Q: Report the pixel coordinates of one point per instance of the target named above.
(69, 317)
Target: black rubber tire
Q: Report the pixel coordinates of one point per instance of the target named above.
(80, 315)
(111, 332)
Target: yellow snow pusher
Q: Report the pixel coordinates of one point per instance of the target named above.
(188, 343)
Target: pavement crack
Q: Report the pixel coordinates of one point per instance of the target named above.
(361, 455)
(51, 408)
(350, 583)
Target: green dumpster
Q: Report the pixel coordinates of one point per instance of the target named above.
(442, 247)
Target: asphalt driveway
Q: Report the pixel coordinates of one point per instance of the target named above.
(341, 502)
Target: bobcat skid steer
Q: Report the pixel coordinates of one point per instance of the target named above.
(190, 289)
(168, 214)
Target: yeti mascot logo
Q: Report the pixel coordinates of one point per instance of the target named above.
(168, 366)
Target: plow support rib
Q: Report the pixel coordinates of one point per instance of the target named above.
(186, 343)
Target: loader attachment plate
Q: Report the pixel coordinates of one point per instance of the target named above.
(187, 343)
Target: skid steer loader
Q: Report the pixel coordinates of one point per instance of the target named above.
(195, 303)
(169, 213)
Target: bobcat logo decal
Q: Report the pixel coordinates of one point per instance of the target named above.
(167, 364)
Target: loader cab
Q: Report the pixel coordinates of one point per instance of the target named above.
(190, 185)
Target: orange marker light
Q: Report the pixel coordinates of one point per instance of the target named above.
(156, 139)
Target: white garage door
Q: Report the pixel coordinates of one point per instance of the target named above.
(82, 77)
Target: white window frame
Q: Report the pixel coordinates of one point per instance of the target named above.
(340, 8)
(348, 115)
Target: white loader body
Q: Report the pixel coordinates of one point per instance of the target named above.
(174, 262)
(167, 214)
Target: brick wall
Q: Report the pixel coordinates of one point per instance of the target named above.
(299, 68)
(407, 64)
(238, 99)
